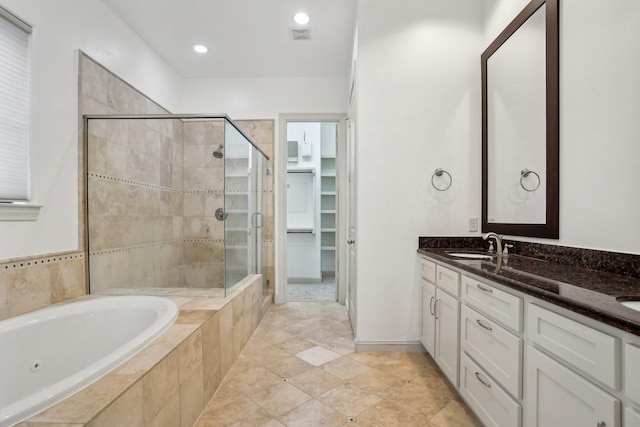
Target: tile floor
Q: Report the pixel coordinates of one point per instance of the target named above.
(318, 292)
(299, 369)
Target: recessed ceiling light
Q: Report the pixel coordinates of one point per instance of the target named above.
(301, 18)
(200, 48)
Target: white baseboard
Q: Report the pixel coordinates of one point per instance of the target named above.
(389, 347)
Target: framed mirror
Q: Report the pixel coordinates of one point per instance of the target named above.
(520, 125)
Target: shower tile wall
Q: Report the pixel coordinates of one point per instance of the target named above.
(203, 234)
(135, 179)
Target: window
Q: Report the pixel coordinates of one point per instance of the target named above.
(14, 109)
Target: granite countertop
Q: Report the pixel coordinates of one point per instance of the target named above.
(591, 293)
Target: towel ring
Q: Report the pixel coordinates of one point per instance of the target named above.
(440, 172)
(525, 173)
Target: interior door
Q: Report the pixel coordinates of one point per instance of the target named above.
(351, 226)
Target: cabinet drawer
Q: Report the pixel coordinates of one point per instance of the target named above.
(591, 351)
(491, 404)
(498, 352)
(428, 270)
(632, 372)
(501, 306)
(448, 280)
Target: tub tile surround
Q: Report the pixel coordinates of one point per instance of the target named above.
(581, 280)
(31, 283)
(169, 382)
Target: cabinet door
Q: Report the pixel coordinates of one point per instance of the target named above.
(447, 334)
(428, 336)
(557, 396)
(631, 418)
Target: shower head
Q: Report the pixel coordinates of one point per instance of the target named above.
(218, 153)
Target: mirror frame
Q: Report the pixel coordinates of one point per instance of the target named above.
(550, 229)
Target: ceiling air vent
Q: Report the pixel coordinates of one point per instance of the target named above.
(303, 34)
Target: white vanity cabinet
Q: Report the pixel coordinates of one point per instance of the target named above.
(525, 362)
(441, 316)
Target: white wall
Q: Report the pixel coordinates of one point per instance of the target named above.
(599, 126)
(265, 98)
(418, 110)
(62, 27)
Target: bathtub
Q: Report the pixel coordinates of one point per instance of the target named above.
(52, 353)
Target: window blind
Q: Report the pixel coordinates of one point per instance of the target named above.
(14, 109)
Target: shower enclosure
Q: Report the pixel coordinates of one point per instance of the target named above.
(173, 204)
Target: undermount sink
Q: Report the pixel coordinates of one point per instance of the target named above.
(632, 304)
(469, 255)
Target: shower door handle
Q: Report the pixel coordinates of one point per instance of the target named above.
(257, 220)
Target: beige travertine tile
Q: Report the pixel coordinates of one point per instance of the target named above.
(349, 399)
(127, 410)
(251, 381)
(419, 398)
(272, 423)
(190, 355)
(169, 415)
(161, 384)
(345, 368)
(390, 415)
(28, 289)
(315, 382)
(38, 424)
(211, 373)
(313, 413)
(377, 381)
(239, 412)
(88, 402)
(455, 414)
(288, 366)
(191, 398)
(280, 398)
(195, 317)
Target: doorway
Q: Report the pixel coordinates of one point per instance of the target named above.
(310, 160)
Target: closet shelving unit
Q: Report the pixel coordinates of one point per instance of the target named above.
(328, 209)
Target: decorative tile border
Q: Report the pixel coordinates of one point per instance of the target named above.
(27, 262)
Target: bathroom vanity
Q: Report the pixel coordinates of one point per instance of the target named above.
(529, 342)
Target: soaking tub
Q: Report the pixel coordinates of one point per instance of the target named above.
(52, 353)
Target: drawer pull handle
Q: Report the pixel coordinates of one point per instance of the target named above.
(431, 306)
(601, 424)
(484, 383)
(488, 328)
(482, 288)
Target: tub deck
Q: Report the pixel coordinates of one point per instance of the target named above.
(170, 381)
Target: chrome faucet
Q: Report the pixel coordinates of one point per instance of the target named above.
(497, 238)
